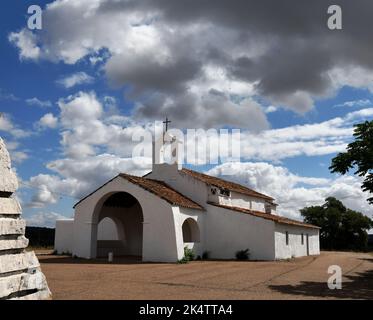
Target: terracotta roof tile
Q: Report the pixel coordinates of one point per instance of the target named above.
(217, 182)
(266, 216)
(162, 190)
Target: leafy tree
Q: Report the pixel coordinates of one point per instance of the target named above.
(341, 228)
(359, 155)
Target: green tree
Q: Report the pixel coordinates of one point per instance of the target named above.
(359, 155)
(341, 228)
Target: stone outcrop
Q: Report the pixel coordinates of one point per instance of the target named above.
(20, 273)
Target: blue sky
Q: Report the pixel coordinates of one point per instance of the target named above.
(71, 93)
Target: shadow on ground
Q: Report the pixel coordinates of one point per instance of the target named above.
(357, 286)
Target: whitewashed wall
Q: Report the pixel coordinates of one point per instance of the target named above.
(107, 230)
(63, 241)
(182, 214)
(227, 232)
(295, 248)
(239, 200)
(159, 239)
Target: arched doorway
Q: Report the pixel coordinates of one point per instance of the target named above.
(190, 231)
(120, 226)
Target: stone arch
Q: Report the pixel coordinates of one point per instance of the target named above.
(125, 211)
(191, 232)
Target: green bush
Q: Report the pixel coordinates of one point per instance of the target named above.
(243, 254)
(189, 254)
(205, 255)
(183, 261)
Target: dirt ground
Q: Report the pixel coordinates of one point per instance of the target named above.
(126, 278)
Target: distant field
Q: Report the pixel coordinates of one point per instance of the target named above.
(302, 278)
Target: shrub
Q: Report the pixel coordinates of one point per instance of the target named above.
(189, 254)
(183, 260)
(205, 255)
(243, 254)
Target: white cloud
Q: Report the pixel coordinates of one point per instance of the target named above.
(48, 121)
(224, 51)
(356, 103)
(7, 126)
(98, 145)
(270, 109)
(323, 138)
(16, 156)
(39, 103)
(293, 192)
(353, 76)
(88, 126)
(78, 177)
(25, 40)
(75, 79)
(44, 219)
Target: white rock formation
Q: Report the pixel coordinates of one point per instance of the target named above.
(20, 274)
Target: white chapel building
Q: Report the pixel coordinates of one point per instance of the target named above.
(156, 216)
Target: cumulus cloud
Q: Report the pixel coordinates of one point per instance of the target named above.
(170, 57)
(47, 121)
(7, 125)
(98, 144)
(78, 177)
(314, 139)
(293, 192)
(16, 155)
(26, 41)
(39, 103)
(75, 79)
(89, 126)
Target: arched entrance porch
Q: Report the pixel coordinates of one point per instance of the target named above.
(119, 218)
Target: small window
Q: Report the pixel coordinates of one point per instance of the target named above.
(302, 239)
(287, 238)
(225, 192)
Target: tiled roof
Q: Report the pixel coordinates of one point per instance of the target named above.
(266, 216)
(158, 188)
(217, 182)
(162, 190)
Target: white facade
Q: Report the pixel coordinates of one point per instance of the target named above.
(154, 229)
(155, 217)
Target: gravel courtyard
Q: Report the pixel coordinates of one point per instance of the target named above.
(302, 278)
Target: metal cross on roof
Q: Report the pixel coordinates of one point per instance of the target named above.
(166, 123)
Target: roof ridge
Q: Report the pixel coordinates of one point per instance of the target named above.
(275, 218)
(192, 205)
